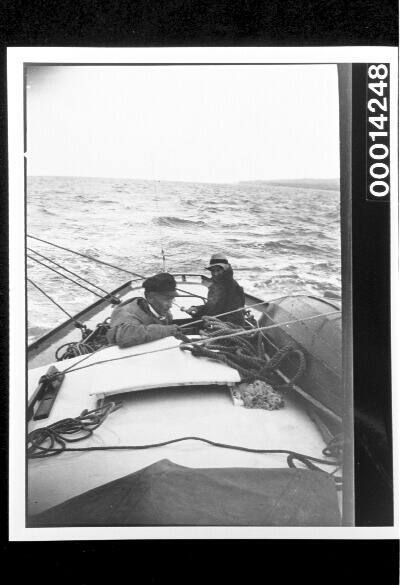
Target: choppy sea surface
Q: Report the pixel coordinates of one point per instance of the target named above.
(279, 238)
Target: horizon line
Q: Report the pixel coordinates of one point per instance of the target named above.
(188, 181)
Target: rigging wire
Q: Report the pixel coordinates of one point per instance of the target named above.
(244, 308)
(247, 307)
(192, 343)
(65, 276)
(73, 273)
(159, 229)
(52, 300)
(193, 322)
(256, 329)
(139, 276)
(87, 257)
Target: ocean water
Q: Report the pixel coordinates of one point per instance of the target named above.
(280, 239)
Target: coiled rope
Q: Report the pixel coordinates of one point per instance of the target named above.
(91, 342)
(76, 367)
(245, 356)
(264, 328)
(52, 440)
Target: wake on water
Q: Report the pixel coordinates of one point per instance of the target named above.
(279, 240)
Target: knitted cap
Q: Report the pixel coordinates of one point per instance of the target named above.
(163, 283)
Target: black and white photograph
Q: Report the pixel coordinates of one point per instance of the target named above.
(185, 248)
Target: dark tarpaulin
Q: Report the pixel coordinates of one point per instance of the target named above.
(168, 494)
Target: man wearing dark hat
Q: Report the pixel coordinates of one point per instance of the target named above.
(141, 320)
(224, 293)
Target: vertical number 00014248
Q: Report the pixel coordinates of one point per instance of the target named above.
(378, 183)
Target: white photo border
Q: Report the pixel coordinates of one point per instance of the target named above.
(17, 58)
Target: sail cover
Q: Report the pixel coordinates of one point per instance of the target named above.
(166, 494)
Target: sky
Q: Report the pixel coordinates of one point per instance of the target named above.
(183, 123)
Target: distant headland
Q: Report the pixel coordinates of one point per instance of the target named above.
(327, 184)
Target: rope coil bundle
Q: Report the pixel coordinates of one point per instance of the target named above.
(245, 355)
(51, 440)
(91, 341)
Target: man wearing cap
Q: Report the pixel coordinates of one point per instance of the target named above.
(224, 293)
(140, 320)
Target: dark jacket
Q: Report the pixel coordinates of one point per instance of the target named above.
(132, 323)
(224, 294)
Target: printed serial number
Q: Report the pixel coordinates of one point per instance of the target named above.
(378, 132)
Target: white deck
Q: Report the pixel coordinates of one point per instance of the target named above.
(157, 415)
(158, 364)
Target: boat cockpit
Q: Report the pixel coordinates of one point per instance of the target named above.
(161, 402)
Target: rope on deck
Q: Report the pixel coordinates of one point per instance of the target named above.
(52, 440)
